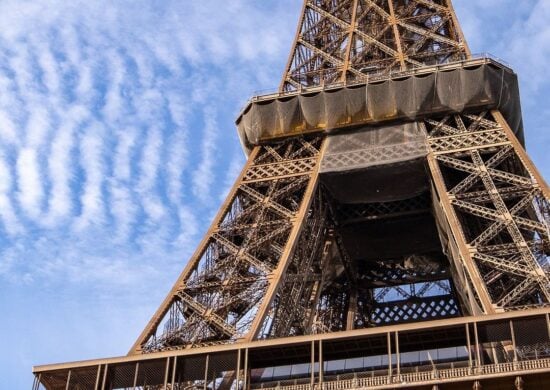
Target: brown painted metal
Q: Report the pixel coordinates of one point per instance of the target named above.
(346, 40)
(278, 273)
(227, 288)
(290, 289)
(532, 365)
(503, 229)
(275, 262)
(161, 311)
(297, 340)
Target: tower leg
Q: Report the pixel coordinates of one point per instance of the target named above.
(227, 289)
(495, 210)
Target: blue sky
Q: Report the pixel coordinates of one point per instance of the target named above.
(117, 145)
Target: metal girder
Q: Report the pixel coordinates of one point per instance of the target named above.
(290, 312)
(493, 208)
(354, 213)
(339, 41)
(410, 310)
(349, 27)
(226, 287)
(274, 263)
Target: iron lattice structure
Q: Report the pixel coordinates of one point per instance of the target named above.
(393, 212)
(347, 40)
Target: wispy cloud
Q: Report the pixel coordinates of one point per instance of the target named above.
(117, 144)
(92, 163)
(29, 182)
(110, 118)
(203, 177)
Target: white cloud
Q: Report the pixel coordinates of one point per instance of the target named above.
(91, 159)
(117, 137)
(29, 182)
(116, 133)
(8, 132)
(7, 212)
(149, 171)
(60, 163)
(203, 177)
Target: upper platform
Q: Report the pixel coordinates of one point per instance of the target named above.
(478, 83)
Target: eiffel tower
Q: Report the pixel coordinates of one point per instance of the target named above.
(388, 230)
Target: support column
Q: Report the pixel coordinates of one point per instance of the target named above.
(98, 377)
(238, 376)
(312, 369)
(522, 154)
(468, 345)
(397, 354)
(68, 384)
(478, 352)
(136, 375)
(245, 380)
(174, 371)
(351, 29)
(397, 36)
(105, 373)
(499, 184)
(166, 372)
(458, 236)
(277, 275)
(321, 363)
(36, 383)
(519, 383)
(513, 341)
(205, 387)
(390, 363)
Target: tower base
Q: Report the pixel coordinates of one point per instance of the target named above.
(506, 350)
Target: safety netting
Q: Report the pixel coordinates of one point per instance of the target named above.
(375, 164)
(470, 86)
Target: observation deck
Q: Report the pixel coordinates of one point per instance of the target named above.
(481, 82)
(493, 350)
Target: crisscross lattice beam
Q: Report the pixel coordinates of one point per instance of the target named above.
(232, 280)
(497, 204)
(345, 41)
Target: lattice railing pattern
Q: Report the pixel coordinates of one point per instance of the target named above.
(500, 207)
(352, 213)
(346, 40)
(410, 310)
(374, 155)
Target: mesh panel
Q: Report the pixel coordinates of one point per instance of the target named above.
(55, 380)
(151, 373)
(408, 98)
(122, 376)
(374, 146)
(222, 362)
(494, 332)
(83, 378)
(193, 368)
(495, 340)
(532, 340)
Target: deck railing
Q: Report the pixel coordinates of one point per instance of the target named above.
(364, 380)
(480, 58)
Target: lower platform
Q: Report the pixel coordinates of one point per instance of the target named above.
(503, 351)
